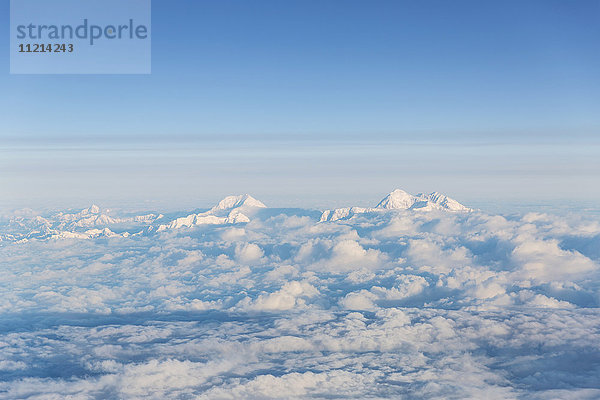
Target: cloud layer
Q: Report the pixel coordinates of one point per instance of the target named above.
(387, 304)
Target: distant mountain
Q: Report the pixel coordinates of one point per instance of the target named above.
(96, 222)
(230, 210)
(400, 200)
(240, 201)
(87, 223)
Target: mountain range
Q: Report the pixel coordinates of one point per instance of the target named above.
(400, 200)
(94, 222)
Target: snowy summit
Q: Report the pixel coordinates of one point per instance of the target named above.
(400, 200)
(244, 200)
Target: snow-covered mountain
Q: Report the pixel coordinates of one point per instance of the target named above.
(242, 201)
(90, 222)
(94, 222)
(400, 200)
(230, 210)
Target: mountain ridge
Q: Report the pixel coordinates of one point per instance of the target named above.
(398, 199)
(95, 222)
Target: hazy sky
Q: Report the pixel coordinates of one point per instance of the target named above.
(320, 101)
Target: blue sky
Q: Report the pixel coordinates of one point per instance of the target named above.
(509, 77)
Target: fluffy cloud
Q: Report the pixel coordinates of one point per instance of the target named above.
(292, 295)
(248, 252)
(386, 304)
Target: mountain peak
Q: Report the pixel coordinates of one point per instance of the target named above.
(93, 209)
(245, 200)
(445, 202)
(401, 200)
(228, 211)
(397, 199)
